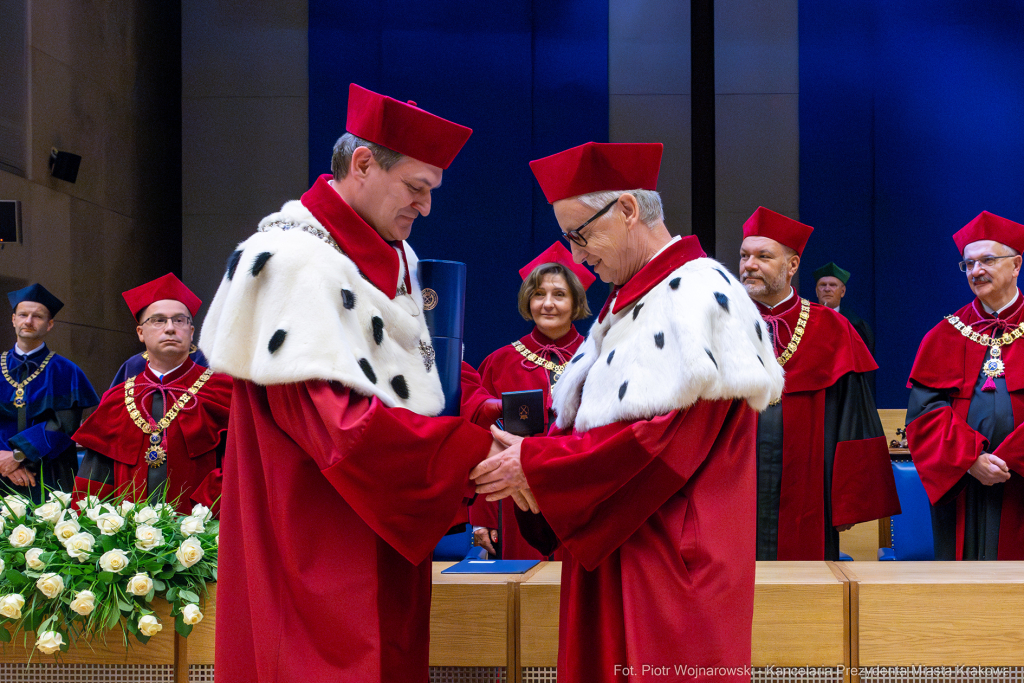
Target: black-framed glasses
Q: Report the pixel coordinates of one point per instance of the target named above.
(967, 265)
(576, 237)
(158, 321)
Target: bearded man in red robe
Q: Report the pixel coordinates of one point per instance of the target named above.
(338, 483)
(822, 461)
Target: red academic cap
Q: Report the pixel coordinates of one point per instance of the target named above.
(784, 230)
(166, 287)
(557, 253)
(988, 226)
(404, 128)
(599, 167)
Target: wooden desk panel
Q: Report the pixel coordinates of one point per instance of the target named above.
(473, 618)
(538, 616)
(200, 642)
(938, 613)
(799, 616)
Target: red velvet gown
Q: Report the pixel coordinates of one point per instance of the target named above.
(508, 370)
(332, 504)
(952, 418)
(822, 456)
(657, 520)
(193, 438)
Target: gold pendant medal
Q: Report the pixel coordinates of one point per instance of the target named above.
(994, 366)
(19, 387)
(155, 454)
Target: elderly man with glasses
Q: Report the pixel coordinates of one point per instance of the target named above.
(967, 403)
(648, 480)
(160, 434)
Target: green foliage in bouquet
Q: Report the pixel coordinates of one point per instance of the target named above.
(69, 573)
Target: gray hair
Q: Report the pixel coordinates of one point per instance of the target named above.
(341, 158)
(649, 201)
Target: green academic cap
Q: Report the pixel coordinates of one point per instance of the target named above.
(832, 270)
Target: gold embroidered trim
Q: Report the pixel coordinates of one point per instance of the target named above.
(19, 387)
(155, 454)
(798, 333)
(994, 366)
(534, 358)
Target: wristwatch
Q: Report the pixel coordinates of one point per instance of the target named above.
(19, 456)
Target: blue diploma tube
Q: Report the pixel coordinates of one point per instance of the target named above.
(444, 305)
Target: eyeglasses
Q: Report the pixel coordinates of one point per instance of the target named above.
(576, 237)
(967, 265)
(179, 321)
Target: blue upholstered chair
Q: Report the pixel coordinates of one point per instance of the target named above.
(911, 531)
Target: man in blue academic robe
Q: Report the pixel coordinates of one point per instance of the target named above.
(41, 401)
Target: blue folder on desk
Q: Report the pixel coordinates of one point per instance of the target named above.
(470, 566)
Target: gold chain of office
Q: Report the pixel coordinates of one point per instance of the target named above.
(798, 333)
(155, 454)
(994, 366)
(534, 358)
(19, 387)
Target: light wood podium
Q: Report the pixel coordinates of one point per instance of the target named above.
(937, 614)
(800, 617)
(474, 618)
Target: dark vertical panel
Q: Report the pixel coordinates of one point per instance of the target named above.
(156, 96)
(530, 78)
(941, 141)
(837, 155)
(702, 120)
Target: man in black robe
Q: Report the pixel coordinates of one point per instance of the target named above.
(830, 286)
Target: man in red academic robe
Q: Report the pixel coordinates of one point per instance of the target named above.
(822, 461)
(967, 403)
(647, 479)
(159, 435)
(338, 484)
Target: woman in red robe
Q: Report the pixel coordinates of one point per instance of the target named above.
(553, 296)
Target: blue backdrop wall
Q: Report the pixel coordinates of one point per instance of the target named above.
(530, 79)
(911, 124)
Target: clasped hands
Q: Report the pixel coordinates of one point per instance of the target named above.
(501, 474)
(15, 471)
(990, 469)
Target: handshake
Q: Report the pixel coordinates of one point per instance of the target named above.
(501, 475)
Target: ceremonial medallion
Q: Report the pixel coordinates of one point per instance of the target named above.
(155, 456)
(429, 299)
(994, 367)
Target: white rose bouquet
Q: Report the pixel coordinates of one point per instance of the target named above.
(71, 572)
